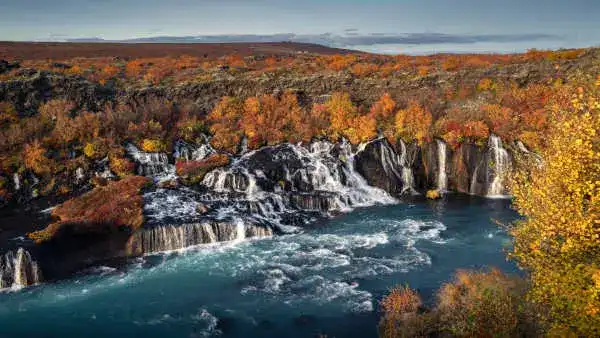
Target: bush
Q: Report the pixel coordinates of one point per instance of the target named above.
(433, 194)
(118, 204)
(481, 304)
(401, 315)
(193, 172)
(153, 146)
(34, 157)
(121, 165)
(95, 149)
(474, 304)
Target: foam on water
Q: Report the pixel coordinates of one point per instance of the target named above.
(323, 280)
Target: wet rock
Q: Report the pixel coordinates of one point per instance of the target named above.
(380, 165)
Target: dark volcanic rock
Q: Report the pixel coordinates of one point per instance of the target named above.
(380, 165)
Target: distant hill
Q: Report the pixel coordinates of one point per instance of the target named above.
(68, 50)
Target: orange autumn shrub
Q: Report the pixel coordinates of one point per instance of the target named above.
(268, 120)
(383, 113)
(193, 172)
(483, 304)
(104, 209)
(153, 146)
(364, 69)
(344, 120)
(476, 131)
(225, 124)
(401, 317)
(475, 304)
(414, 123)
(120, 165)
(35, 159)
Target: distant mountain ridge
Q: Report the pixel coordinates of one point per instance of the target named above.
(348, 38)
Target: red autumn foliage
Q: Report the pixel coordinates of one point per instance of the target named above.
(194, 171)
(118, 204)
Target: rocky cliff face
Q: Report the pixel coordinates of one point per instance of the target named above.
(470, 169)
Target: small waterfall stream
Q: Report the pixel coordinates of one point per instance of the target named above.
(18, 270)
(183, 150)
(442, 177)
(500, 167)
(175, 237)
(151, 164)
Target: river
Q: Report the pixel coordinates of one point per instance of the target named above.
(326, 280)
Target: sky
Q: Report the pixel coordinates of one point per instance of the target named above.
(463, 25)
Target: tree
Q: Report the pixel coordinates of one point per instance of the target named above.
(414, 123)
(344, 120)
(34, 157)
(559, 241)
(225, 126)
(383, 113)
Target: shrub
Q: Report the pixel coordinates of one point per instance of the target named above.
(474, 304)
(121, 165)
(433, 194)
(225, 124)
(95, 149)
(153, 146)
(383, 113)
(414, 123)
(401, 315)
(344, 120)
(193, 172)
(481, 304)
(118, 204)
(34, 157)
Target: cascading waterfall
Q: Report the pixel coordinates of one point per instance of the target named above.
(151, 164)
(499, 168)
(189, 152)
(240, 230)
(318, 172)
(474, 185)
(175, 237)
(18, 270)
(408, 180)
(17, 181)
(271, 189)
(442, 177)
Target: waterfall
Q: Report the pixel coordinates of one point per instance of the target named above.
(499, 168)
(183, 150)
(473, 187)
(151, 164)
(17, 181)
(276, 188)
(240, 230)
(442, 178)
(175, 237)
(310, 170)
(18, 270)
(408, 180)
